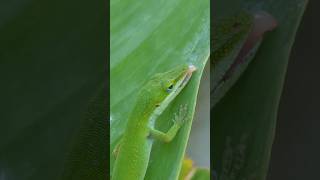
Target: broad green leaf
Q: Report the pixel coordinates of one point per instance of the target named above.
(244, 120)
(148, 37)
(52, 63)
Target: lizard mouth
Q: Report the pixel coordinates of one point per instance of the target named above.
(187, 75)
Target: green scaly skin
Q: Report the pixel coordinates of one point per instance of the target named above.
(133, 152)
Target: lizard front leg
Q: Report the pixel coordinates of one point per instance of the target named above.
(179, 119)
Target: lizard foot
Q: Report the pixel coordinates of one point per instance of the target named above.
(181, 116)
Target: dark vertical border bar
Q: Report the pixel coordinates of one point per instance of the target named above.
(108, 85)
(212, 172)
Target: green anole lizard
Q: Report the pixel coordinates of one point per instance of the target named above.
(133, 151)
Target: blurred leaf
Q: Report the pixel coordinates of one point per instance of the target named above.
(201, 174)
(186, 168)
(190, 172)
(88, 156)
(150, 37)
(244, 120)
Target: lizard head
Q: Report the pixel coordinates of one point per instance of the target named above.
(160, 90)
(165, 86)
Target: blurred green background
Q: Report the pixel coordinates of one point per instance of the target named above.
(295, 152)
(53, 59)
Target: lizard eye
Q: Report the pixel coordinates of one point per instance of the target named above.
(169, 89)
